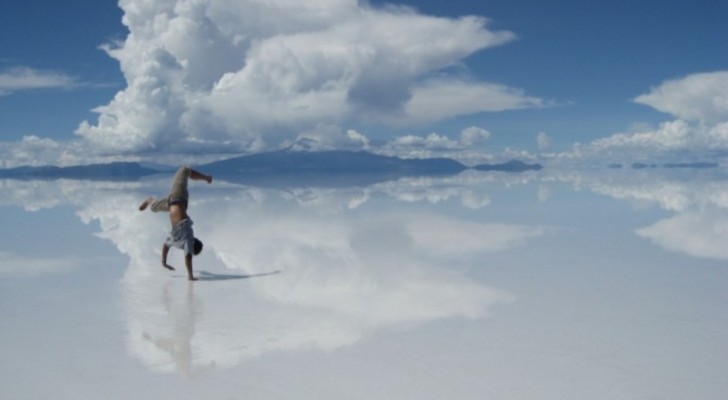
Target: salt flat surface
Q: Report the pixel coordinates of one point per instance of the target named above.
(480, 286)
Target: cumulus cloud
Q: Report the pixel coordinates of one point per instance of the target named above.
(431, 141)
(700, 97)
(24, 78)
(473, 136)
(700, 103)
(328, 137)
(434, 144)
(248, 75)
(672, 135)
(543, 140)
(36, 151)
(29, 151)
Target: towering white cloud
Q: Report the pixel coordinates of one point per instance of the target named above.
(211, 74)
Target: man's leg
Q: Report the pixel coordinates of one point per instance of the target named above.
(157, 205)
(178, 192)
(146, 203)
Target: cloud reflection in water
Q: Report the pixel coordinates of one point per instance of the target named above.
(345, 274)
(353, 262)
(702, 233)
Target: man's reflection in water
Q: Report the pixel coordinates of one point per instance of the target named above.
(344, 276)
(182, 312)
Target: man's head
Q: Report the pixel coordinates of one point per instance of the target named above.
(197, 249)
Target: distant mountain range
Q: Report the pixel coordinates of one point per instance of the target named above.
(117, 171)
(510, 166)
(279, 166)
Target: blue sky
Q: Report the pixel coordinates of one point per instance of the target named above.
(62, 38)
(597, 56)
(241, 77)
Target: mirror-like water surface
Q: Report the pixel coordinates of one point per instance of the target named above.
(533, 286)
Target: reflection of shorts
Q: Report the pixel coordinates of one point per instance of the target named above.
(178, 194)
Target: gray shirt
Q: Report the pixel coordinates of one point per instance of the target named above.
(182, 237)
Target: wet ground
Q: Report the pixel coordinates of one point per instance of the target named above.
(609, 285)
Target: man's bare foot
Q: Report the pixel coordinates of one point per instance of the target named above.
(169, 267)
(146, 203)
(191, 278)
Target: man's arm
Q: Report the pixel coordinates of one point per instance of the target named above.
(165, 251)
(199, 176)
(188, 263)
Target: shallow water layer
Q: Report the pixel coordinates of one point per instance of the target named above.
(482, 285)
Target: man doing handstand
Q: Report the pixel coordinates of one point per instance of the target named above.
(181, 235)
